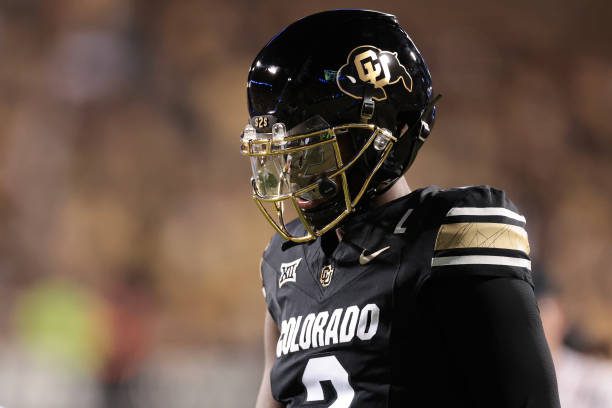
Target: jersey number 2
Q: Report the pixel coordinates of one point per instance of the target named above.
(327, 368)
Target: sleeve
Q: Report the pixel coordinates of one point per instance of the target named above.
(480, 233)
(492, 341)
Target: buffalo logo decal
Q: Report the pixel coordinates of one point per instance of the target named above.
(367, 65)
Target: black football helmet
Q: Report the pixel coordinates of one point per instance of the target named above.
(340, 103)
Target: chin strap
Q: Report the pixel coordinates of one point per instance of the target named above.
(368, 104)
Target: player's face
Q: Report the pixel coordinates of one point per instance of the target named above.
(305, 172)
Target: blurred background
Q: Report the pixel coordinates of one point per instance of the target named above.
(129, 246)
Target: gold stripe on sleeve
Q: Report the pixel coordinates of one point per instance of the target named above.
(482, 235)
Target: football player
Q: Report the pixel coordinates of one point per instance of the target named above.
(379, 296)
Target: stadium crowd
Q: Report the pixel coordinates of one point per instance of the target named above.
(129, 254)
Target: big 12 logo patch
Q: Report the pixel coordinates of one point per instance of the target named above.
(288, 272)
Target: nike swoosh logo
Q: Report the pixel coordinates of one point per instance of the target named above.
(365, 259)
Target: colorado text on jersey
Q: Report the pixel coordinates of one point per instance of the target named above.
(323, 329)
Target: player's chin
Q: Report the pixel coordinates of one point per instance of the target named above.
(321, 212)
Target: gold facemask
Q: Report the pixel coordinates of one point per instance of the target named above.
(307, 167)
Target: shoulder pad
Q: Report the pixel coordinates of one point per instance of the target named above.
(474, 196)
(479, 232)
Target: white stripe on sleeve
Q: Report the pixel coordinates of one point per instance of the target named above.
(481, 260)
(485, 211)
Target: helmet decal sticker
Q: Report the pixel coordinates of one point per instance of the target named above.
(367, 65)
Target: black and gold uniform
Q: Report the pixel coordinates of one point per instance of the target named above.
(426, 301)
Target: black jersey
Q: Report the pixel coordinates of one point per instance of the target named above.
(358, 326)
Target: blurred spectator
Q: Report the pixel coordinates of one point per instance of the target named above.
(584, 381)
(62, 330)
(88, 65)
(63, 322)
(131, 315)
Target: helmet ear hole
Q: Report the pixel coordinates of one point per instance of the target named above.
(427, 122)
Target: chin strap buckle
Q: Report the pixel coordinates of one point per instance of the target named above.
(367, 107)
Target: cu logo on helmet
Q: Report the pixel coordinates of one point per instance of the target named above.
(372, 69)
(367, 65)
